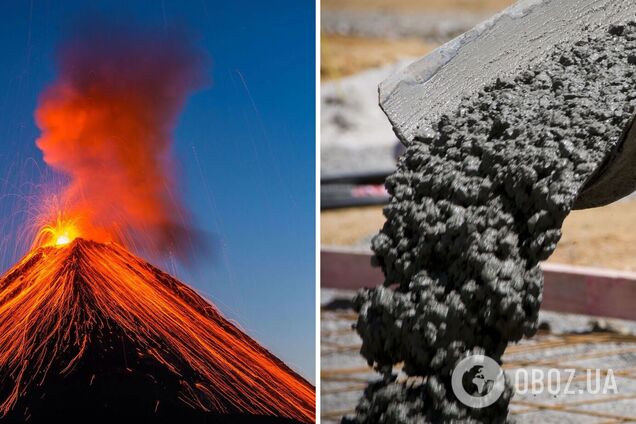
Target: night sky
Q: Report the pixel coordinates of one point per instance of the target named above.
(245, 148)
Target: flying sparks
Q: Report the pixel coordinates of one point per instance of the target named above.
(61, 233)
(107, 126)
(57, 301)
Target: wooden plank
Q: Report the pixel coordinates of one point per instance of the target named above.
(569, 289)
(348, 269)
(589, 291)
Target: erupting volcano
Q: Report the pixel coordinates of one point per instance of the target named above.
(89, 331)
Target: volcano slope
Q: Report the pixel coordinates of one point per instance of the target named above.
(476, 203)
(90, 332)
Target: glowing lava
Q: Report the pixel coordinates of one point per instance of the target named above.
(60, 233)
(91, 316)
(88, 327)
(62, 240)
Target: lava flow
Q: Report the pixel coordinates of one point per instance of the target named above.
(88, 329)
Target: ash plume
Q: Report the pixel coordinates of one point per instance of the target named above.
(107, 124)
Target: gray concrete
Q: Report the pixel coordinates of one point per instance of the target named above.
(476, 202)
(499, 47)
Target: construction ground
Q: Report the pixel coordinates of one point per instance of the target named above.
(361, 37)
(565, 343)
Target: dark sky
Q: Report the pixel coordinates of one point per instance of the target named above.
(245, 146)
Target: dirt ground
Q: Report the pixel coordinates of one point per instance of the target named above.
(346, 55)
(603, 237)
(348, 227)
(341, 55)
(416, 5)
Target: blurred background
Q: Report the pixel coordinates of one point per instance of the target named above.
(362, 43)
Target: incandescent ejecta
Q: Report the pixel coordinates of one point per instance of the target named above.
(89, 331)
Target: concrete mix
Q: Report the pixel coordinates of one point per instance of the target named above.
(477, 201)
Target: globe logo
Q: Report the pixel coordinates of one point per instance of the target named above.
(481, 376)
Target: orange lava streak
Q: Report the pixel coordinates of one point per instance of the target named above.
(44, 315)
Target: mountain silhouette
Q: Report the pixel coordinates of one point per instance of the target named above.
(91, 333)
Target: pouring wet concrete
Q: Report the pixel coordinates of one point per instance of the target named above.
(478, 200)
